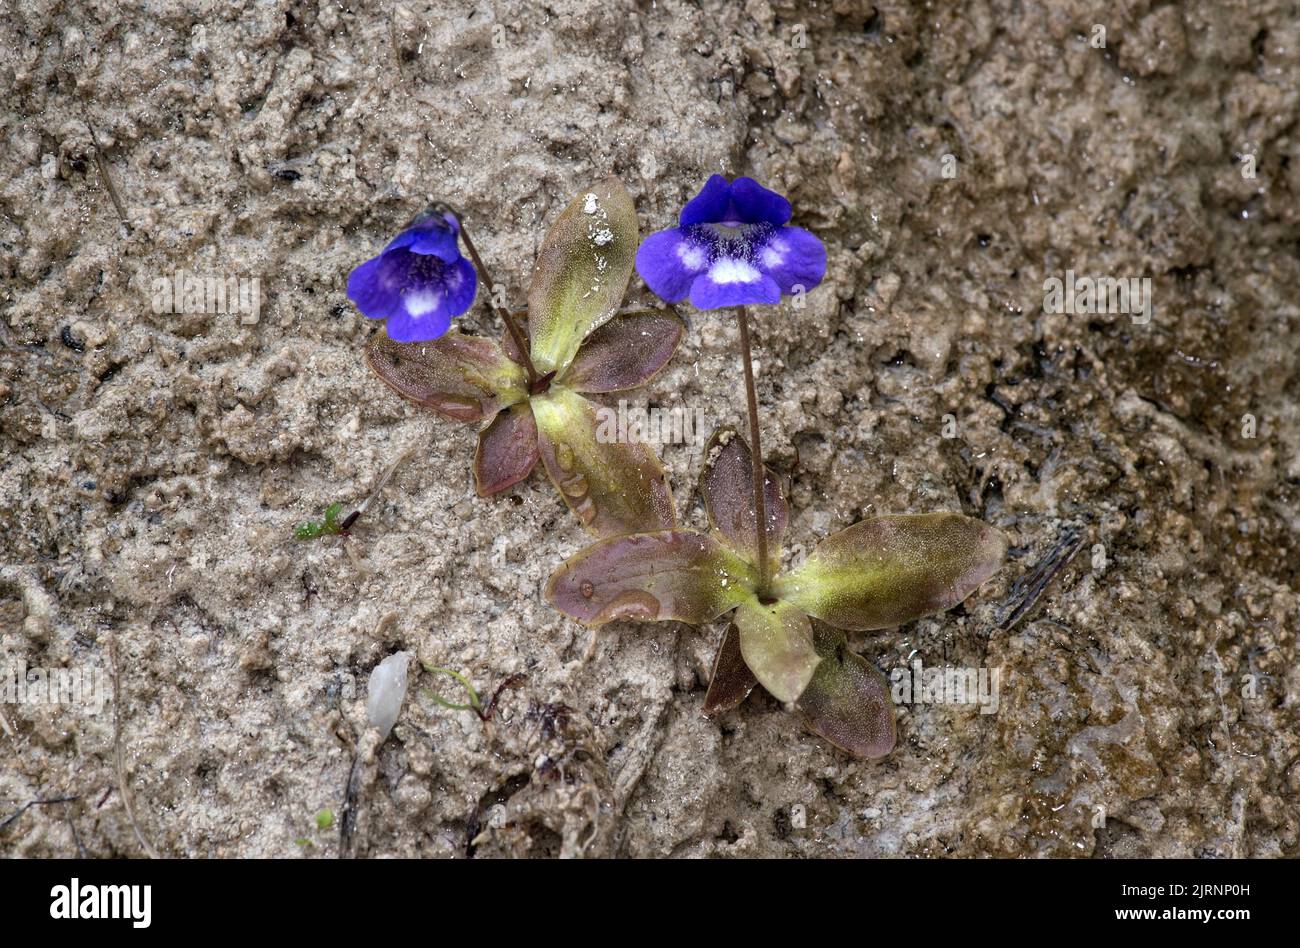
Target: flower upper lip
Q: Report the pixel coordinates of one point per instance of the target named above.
(430, 233)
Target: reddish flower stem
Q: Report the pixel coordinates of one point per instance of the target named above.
(756, 454)
(521, 342)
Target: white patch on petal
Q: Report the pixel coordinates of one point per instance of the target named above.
(692, 257)
(417, 304)
(774, 254)
(733, 271)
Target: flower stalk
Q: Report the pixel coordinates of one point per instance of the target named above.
(535, 381)
(760, 512)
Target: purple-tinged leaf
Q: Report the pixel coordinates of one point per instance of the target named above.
(507, 450)
(465, 378)
(581, 273)
(732, 680)
(848, 700)
(625, 352)
(727, 485)
(613, 488)
(777, 643)
(671, 575)
(883, 572)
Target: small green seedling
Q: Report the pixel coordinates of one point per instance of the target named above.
(484, 711)
(474, 704)
(324, 820)
(330, 526)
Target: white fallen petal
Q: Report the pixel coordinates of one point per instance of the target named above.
(387, 692)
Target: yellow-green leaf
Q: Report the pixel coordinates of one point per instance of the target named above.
(611, 486)
(884, 572)
(678, 575)
(581, 273)
(777, 643)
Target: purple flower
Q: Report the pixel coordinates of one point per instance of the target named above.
(419, 282)
(732, 247)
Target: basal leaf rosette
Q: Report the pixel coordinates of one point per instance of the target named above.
(582, 348)
(790, 639)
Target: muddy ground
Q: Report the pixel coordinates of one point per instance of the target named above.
(155, 464)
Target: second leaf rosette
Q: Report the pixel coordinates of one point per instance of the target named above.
(875, 574)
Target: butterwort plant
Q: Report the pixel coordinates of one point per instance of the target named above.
(733, 247)
(529, 393)
(788, 636)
